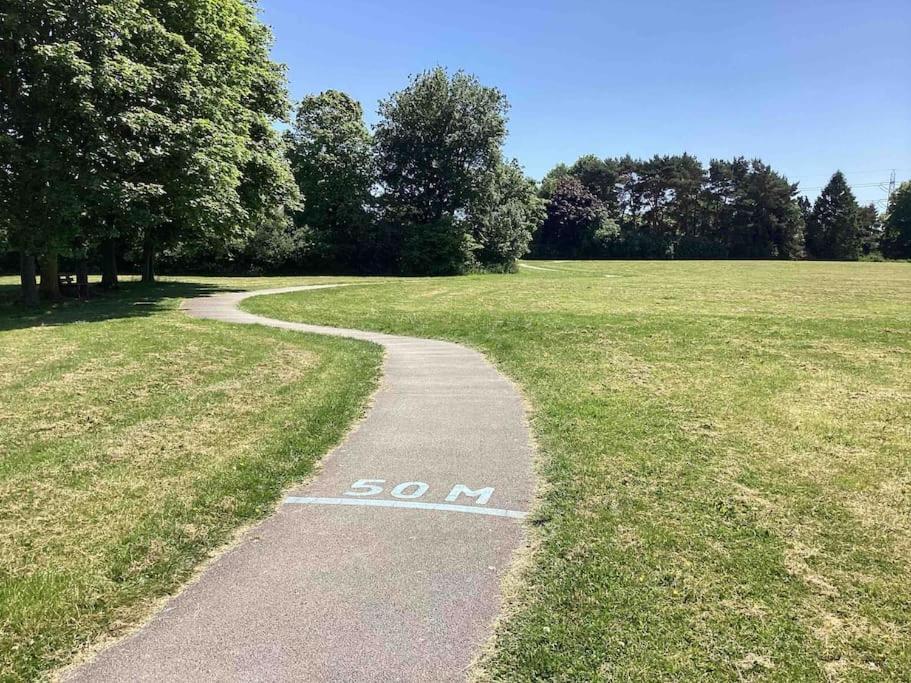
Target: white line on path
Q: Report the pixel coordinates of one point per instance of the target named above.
(493, 512)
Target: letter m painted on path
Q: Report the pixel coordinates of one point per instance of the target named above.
(482, 495)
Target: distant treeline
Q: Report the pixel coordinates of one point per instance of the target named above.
(141, 133)
(673, 207)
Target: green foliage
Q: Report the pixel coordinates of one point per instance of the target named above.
(833, 232)
(870, 228)
(504, 218)
(45, 111)
(437, 248)
(145, 120)
(235, 174)
(331, 157)
(758, 211)
(896, 241)
(436, 141)
(550, 180)
(670, 206)
(576, 223)
(439, 163)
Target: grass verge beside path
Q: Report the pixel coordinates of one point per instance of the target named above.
(134, 440)
(728, 453)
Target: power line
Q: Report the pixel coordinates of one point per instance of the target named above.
(887, 186)
(881, 184)
(892, 169)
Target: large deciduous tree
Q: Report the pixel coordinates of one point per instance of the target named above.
(438, 148)
(329, 147)
(228, 172)
(140, 119)
(46, 112)
(896, 240)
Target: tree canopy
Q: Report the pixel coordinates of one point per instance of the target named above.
(833, 231)
(329, 147)
(139, 119)
(897, 232)
(669, 206)
(440, 167)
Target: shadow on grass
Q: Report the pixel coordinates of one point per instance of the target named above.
(131, 300)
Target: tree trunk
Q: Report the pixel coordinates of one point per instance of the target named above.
(50, 283)
(148, 261)
(82, 277)
(109, 264)
(27, 277)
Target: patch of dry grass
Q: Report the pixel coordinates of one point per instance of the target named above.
(132, 445)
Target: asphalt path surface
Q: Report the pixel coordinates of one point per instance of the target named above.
(388, 564)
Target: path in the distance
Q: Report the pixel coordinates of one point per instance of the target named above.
(387, 566)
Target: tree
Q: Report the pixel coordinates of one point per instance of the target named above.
(685, 178)
(869, 227)
(896, 241)
(438, 145)
(833, 229)
(771, 221)
(226, 172)
(806, 208)
(45, 112)
(144, 88)
(550, 180)
(576, 221)
(139, 119)
(331, 158)
(505, 218)
(601, 178)
(669, 206)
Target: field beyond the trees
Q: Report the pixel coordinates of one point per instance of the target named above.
(725, 460)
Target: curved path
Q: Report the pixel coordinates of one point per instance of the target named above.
(387, 565)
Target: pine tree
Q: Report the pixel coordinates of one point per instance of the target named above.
(896, 242)
(833, 232)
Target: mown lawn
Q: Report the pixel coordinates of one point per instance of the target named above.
(726, 453)
(134, 441)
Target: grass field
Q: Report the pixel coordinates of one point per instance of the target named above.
(135, 440)
(726, 453)
(725, 459)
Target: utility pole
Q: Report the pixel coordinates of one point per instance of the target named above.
(888, 187)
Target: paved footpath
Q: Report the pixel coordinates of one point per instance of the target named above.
(387, 566)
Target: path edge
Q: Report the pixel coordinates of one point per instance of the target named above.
(238, 536)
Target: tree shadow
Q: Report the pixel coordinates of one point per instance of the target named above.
(131, 300)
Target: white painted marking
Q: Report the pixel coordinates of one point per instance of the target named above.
(369, 484)
(528, 265)
(564, 270)
(420, 489)
(410, 505)
(482, 495)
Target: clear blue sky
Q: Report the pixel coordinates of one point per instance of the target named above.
(807, 86)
